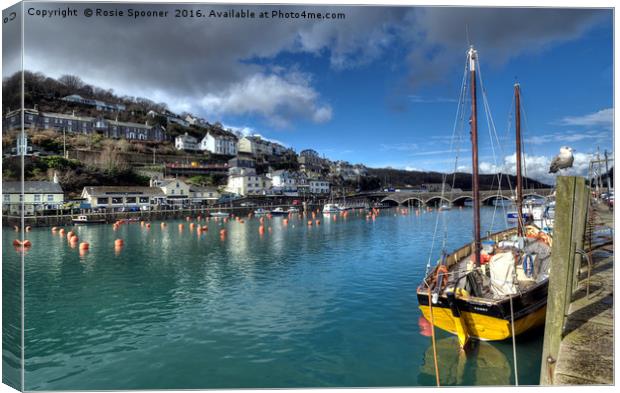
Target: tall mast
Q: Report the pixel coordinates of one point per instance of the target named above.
(472, 55)
(519, 177)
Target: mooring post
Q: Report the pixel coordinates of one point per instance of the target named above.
(568, 230)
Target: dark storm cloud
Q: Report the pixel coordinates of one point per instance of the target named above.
(206, 65)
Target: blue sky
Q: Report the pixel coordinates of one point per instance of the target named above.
(379, 88)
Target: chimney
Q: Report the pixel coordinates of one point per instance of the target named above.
(55, 178)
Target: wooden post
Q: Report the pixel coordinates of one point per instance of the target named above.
(569, 225)
(582, 200)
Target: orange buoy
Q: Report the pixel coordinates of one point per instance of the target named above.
(261, 220)
(309, 223)
(205, 228)
(26, 243)
(225, 219)
(241, 222)
(54, 229)
(141, 223)
(62, 232)
(84, 246)
(119, 243)
(188, 219)
(261, 229)
(17, 243)
(163, 224)
(147, 225)
(191, 226)
(70, 234)
(318, 222)
(181, 227)
(222, 232)
(285, 221)
(73, 239)
(313, 215)
(334, 217)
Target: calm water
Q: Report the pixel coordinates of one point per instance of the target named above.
(300, 306)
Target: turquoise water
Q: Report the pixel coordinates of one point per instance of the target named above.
(323, 306)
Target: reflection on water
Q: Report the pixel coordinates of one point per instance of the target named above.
(481, 364)
(331, 305)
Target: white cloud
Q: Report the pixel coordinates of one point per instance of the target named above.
(602, 118)
(565, 137)
(278, 98)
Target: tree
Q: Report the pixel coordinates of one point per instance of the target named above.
(72, 82)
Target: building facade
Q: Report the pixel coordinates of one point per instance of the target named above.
(186, 142)
(71, 123)
(248, 184)
(122, 197)
(38, 196)
(318, 186)
(219, 143)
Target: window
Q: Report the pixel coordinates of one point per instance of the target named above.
(144, 199)
(6, 197)
(37, 197)
(21, 197)
(182, 192)
(50, 198)
(117, 200)
(172, 192)
(130, 199)
(102, 201)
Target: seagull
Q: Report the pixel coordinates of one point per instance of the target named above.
(563, 160)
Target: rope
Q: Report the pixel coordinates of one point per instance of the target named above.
(514, 343)
(430, 307)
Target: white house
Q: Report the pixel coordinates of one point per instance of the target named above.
(318, 186)
(194, 121)
(283, 180)
(248, 184)
(201, 195)
(219, 143)
(176, 191)
(38, 196)
(123, 196)
(186, 142)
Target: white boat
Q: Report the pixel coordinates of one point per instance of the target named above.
(445, 206)
(85, 220)
(293, 209)
(278, 211)
(331, 208)
(219, 214)
(260, 211)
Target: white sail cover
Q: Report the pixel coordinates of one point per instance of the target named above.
(502, 269)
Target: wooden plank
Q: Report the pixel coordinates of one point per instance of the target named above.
(559, 275)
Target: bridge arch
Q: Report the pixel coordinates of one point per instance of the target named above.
(533, 194)
(460, 201)
(415, 201)
(436, 200)
(490, 198)
(390, 201)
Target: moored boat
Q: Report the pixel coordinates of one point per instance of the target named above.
(219, 214)
(83, 219)
(278, 211)
(330, 208)
(496, 286)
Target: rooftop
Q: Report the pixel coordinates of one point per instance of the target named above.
(31, 187)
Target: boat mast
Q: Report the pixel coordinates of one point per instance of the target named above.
(472, 55)
(519, 177)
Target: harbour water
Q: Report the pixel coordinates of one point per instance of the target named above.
(322, 306)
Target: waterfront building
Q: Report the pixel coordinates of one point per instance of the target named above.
(219, 142)
(241, 161)
(203, 195)
(259, 147)
(310, 163)
(176, 191)
(127, 197)
(99, 105)
(186, 142)
(317, 186)
(72, 123)
(38, 196)
(248, 183)
(283, 181)
(195, 121)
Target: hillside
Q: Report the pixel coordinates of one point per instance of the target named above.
(402, 178)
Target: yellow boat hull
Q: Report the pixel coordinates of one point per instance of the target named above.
(482, 327)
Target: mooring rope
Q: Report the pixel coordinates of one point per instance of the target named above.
(514, 343)
(430, 307)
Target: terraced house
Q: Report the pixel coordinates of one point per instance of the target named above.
(72, 123)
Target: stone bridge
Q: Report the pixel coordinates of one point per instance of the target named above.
(457, 198)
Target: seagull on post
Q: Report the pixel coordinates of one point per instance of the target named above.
(563, 160)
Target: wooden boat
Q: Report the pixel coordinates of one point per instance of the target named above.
(83, 219)
(499, 290)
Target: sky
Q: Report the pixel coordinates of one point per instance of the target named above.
(380, 87)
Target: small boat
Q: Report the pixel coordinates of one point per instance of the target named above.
(260, 212)
(86, 220)
(513, 216)
(331, 208)
(278, 211)
(219, 214)
(445, 206)
(293, 209)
